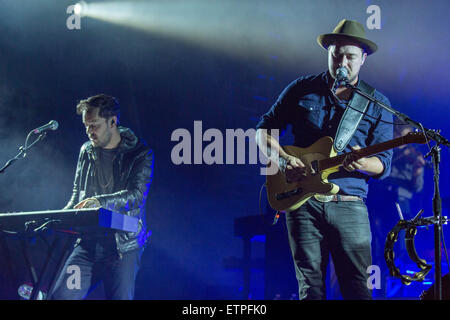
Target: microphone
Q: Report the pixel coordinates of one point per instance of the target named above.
(52, 125)
(341, 78)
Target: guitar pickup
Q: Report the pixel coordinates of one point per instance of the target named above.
(288, 194)
(315, 166)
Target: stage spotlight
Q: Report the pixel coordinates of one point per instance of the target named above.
(79, 8)
(234, 27)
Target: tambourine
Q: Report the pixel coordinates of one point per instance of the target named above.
(410, 227)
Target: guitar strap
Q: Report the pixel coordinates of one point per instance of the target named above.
(352, 117)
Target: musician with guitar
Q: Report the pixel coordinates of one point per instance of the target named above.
(114, 172)
(321, 185)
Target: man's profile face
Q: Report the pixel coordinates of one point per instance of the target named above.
(348, 55)
(98, 129)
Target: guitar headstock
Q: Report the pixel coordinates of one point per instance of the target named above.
(415, 137)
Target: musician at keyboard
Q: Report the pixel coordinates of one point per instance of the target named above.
(114, 171)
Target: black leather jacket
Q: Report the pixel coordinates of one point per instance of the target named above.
(132, 168)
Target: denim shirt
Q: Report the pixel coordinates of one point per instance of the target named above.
(308, 106)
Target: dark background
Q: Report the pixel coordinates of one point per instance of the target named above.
(224, 71)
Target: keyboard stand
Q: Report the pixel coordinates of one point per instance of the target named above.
(62, 260)
(71, 222)
(29, 263)
(38, 280)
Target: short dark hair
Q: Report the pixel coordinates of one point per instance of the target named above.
(108, 106)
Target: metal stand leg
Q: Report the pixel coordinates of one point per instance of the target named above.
(37, 281)
(38, 285)
(437, 210)
(62, 260)
(30, 266)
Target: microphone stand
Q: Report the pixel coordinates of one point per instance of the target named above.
(435, 153)
(22, 154)
(23, 150)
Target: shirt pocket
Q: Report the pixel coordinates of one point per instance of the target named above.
(310, 110)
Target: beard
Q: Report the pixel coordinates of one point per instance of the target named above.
(103, 141)
(352, 78)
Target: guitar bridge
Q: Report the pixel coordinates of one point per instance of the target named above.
(288, 194)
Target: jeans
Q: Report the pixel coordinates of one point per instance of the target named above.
(95, 261)
(340, 229)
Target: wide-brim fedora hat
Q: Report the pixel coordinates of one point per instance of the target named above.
(348, 30)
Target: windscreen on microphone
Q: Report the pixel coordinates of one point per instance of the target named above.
(341, 78)
(341, 74)
(52, 125)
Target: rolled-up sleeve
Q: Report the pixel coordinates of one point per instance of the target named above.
(383, 132)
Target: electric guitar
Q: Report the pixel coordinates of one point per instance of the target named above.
(323, 159)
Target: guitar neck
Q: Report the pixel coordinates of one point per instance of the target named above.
(337, 161)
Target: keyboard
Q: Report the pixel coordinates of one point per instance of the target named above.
(71, 220)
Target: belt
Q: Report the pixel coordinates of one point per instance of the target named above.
(336, 198)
